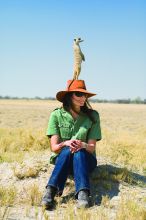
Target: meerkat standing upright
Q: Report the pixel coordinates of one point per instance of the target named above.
(78, 58)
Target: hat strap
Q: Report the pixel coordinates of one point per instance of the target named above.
(70, 84)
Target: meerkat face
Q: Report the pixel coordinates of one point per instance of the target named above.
(78, 40)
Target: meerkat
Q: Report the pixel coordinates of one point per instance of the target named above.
(78, 58)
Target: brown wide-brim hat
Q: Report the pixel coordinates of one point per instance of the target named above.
(74, 86)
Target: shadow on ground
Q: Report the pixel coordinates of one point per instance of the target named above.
(105, 181)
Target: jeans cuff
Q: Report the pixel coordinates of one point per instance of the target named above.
(52, 186)
(58, 192)
(85, 188)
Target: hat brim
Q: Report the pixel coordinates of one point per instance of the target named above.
(60, 95)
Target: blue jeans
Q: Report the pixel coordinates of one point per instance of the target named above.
(79, 164)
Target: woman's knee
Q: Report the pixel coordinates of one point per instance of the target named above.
(79, 154)
(65, 152)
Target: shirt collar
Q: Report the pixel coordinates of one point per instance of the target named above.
(66, 112)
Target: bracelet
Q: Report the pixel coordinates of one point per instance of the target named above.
(84, 145)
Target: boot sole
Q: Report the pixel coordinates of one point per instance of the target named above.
(48, 206)
(83, 205)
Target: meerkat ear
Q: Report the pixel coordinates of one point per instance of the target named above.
(74, 39)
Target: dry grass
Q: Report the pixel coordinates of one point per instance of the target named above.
(23, 125)
(130, 210)
(7, 196)
(22, 131)
(124, 134)
(22, 128)
(17, 141)
(33, 195)
(26, 173)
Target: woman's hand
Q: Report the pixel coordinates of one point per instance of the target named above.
(90, 146)
(79, 145)
(56, 145)
(72, 144)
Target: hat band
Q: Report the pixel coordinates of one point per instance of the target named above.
(74, 89)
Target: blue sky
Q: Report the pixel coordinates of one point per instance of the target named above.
(36, 54)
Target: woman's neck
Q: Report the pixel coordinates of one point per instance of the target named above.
(76, 109)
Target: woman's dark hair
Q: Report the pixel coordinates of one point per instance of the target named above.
(87, 109)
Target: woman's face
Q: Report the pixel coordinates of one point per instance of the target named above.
(79, 98)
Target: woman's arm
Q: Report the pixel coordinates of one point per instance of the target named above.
(56, 145)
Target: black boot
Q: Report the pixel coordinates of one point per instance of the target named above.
(83, 199)
(48, 199)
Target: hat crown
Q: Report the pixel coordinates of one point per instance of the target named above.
(73, 85)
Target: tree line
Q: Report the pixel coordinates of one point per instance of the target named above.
(137, 100)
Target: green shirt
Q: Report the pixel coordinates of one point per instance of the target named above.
(62, 123)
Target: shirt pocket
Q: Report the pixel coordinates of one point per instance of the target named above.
(83, 132)
(65, 131)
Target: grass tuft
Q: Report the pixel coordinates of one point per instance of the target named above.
(7, 196)
(130, 210)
